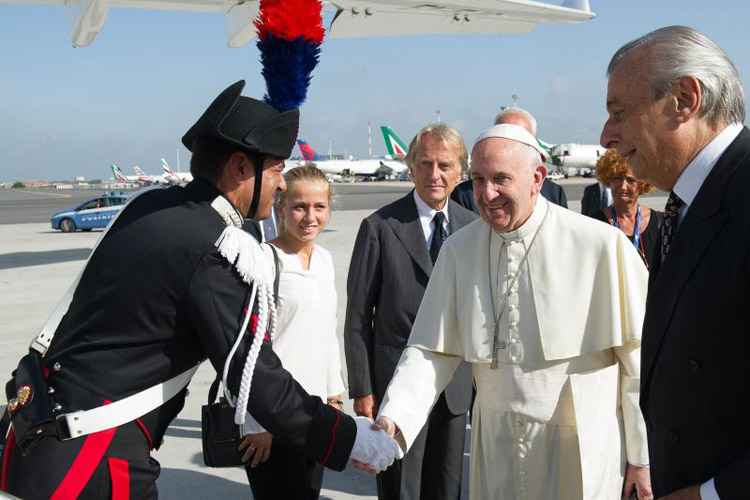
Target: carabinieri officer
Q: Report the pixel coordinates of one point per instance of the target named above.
(174, 281)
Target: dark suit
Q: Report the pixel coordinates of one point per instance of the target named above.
(591, 203)
(388, 275)
(464, 194)
(695, 373)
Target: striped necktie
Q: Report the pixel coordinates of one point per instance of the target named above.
(671, 220)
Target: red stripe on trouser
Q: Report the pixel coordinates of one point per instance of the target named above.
(119, 472)
(10, 442)
(332, 440)
(84, 465)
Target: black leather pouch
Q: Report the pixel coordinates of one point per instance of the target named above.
(29, 403)
(221, 436)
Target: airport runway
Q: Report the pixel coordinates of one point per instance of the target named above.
(38, 205)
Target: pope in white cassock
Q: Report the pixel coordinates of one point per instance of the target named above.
(548, 306)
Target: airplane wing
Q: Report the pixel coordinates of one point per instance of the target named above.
(351, 18)
(362, 18)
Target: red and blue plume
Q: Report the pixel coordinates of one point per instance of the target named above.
(290, 33)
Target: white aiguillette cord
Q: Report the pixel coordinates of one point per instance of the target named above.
(514, 278)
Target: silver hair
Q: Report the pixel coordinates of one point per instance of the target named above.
(445, 133)
(678, 51)
(513, 110)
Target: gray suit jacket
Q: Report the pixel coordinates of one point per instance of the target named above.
(388, 274)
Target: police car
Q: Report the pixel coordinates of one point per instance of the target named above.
(92, 214)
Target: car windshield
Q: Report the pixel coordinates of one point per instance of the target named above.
(115, 201)
(97, 203)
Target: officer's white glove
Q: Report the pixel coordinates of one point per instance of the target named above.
(374, 448)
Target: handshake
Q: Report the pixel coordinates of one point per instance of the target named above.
(374, 447)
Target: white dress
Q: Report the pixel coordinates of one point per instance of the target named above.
(306, 340)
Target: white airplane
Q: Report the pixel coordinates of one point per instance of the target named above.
(150, 179)
(374, 168)
(575, 159)
(175, 177)
(350, 18)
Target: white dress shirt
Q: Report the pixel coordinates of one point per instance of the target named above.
(426, 214)
(687, 187)
(695, 174)
(307, 297)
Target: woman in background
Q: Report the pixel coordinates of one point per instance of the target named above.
(640, 224)
(306, 340)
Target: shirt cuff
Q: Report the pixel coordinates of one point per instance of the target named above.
(708, 491)
(251, 426)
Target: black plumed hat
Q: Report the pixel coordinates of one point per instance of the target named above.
(249, 124)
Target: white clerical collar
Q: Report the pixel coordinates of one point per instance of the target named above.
(426, 212)
(227, 211)
(692, 178)
(529, 227)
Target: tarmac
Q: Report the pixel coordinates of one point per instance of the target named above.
(38, 264)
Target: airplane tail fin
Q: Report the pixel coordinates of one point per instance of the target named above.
(165, 167)
(547, 147)
(582, 5)
(118, 173)
(138, 170)
(308, 153)
(393, 143)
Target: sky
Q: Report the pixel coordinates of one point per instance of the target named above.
(130, 96)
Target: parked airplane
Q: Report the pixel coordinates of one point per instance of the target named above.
(350, 18)
(150, 179)
(575, 159)
(373, 168)
(175, 177)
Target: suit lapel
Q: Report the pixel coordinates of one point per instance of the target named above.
(705, 219)
(408, 229)
(458, 216)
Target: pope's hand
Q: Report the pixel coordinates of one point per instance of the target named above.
(638, 480)
(374, 450)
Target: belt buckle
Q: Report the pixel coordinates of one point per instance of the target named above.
(61, 425)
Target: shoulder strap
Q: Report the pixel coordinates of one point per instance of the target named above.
(278, 271)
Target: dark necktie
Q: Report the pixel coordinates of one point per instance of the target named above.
(438, 236)
(671, 219)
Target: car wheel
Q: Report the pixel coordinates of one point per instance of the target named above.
(67, 225)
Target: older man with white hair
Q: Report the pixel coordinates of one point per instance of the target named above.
(554, 347)
(676, 107)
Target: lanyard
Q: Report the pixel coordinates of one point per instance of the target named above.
(636, 230)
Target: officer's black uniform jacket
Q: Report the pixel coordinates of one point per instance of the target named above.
(155, 299)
